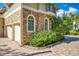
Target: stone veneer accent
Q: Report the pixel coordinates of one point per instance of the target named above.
(14, 18)
(39, 17)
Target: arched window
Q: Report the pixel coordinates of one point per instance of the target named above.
(46, 25)
(31, 24)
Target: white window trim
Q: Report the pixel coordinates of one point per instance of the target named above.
(34, 23)
(48, 23)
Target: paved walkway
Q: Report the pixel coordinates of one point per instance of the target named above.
(69, 47)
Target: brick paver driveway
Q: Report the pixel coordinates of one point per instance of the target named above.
(70, 46)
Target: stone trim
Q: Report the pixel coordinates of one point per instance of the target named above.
(12, 12)
(34, 23)
(48, 23)
(12, 23)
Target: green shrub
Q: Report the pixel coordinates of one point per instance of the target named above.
(74, 32)
(44, 38)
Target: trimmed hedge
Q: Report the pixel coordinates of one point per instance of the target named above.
(45, 38)
(74, 32)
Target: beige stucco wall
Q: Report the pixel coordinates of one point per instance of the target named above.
(42, 6)
(32, 5)
(37, 6)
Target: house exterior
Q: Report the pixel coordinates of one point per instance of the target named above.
(23, 19)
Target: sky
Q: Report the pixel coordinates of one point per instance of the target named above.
(67, 8)
(1, 5)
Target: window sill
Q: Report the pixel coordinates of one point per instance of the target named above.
(30, 31)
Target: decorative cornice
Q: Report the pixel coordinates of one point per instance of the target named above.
(12, 12)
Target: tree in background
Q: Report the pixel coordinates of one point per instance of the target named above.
(75, 21)
(65, 23)
(62, 25)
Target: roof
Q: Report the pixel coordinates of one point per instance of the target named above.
(50, 13)
(9, 4)
(2, 11)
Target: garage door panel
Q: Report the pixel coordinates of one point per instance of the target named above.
(9, 32)
(18, 34)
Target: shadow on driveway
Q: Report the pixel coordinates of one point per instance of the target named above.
(69, 38)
